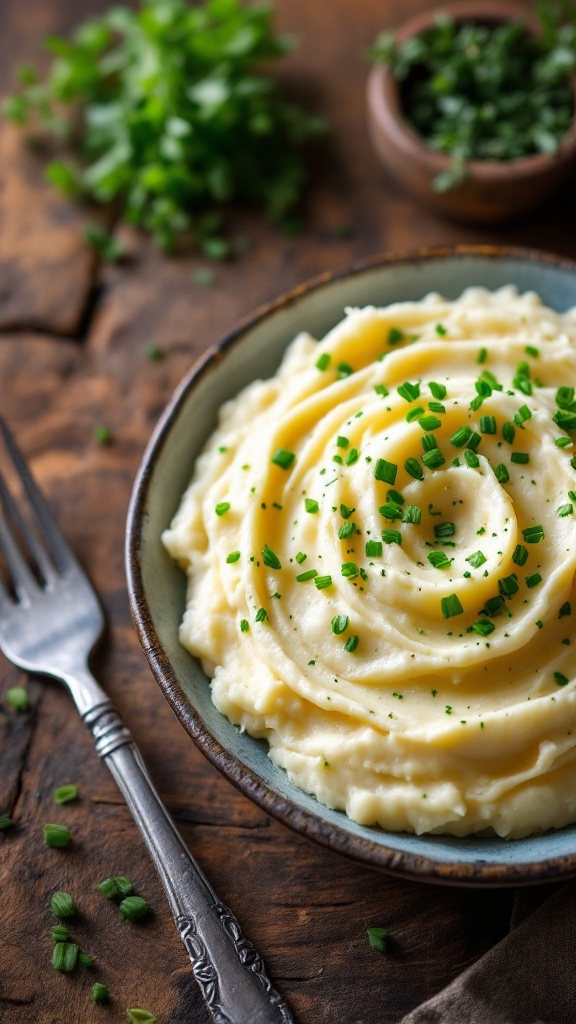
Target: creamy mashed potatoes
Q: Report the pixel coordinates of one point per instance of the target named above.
(380, 544)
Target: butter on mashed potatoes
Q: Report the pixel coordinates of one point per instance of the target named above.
(380, 543)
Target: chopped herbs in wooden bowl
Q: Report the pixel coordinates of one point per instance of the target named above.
(483, 94)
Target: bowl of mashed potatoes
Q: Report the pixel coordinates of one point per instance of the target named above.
(351, 559)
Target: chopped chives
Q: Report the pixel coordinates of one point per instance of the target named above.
(414, 413)
(481, 357)
(520, 458)
(476, 402)
(380, 389)
(351, 644)
(311, 505)
(222, 507)
(342, 442)
(451, 606)
(232, 557)
(565, 510)
(244, 625)
(395, 335)
(437, 407)
(508, 431)
(439, 560)
(392, 495)
(433, 459)
(441, 330)
(385, 471)
(301, 557)
(409, 391)
(373, 549)
(461, 436)
(352, 456)
(429, 422)
(413, 468)
(323, 361)
(323, 582)
(531, 350)
(520, 556)
(564, 397)
(476, 559)
(533, 534)
(17, 698)
(565, 609)
(488, 424)
(6, 821)
(138, 1016)
(346, 512)
(346, 530)
(563, 442)
(560, 679)
(438, 390)
(533, 579)
(444, 530)
(133, 908)
(117, 886)
(391, 510)
(85, 960)
(522, 415)
(471, 459)
(564, 419)
(62, 905)
(57, 836)
(261, 615)
(391, 536)
(308, 575)
(65, 794)
(501, 473)
(474, 441)
(493, 605)
(412, 514)
(283, 458)
(429, 442)
(508, 585)
(350, 570)
(270, 558)
(339, 624)
(100, 993)
(483, 388)
(59, 933)
(64, 956)
(483, 627)
(344, 370)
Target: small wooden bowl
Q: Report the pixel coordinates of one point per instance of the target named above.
(491, 190)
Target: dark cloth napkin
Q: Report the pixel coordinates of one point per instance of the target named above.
(529, 977)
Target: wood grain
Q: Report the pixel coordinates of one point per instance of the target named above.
(72, 355)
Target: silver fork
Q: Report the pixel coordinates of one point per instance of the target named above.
(50, 620)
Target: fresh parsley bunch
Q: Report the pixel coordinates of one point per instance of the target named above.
(480, 92)
(170, 116)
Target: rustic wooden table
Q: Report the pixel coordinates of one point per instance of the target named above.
(73, 333)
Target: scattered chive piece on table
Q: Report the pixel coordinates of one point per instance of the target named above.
(62, 905)
(6, 822)
(138, 1016)
(115, 887)
(65, 794)
(204, 276)
(134, 908)
(379, 938)
(100, 993)
(57, 836)
(85, 960)
(155, 353)
(59, 933)
(64, 956)
(17, 698)
(102, 434)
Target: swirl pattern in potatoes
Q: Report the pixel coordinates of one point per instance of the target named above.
(380, 546)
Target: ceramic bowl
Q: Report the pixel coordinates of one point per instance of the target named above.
(492, 190)
(157, 586)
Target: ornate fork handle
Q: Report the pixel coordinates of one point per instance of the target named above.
(229, 970)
